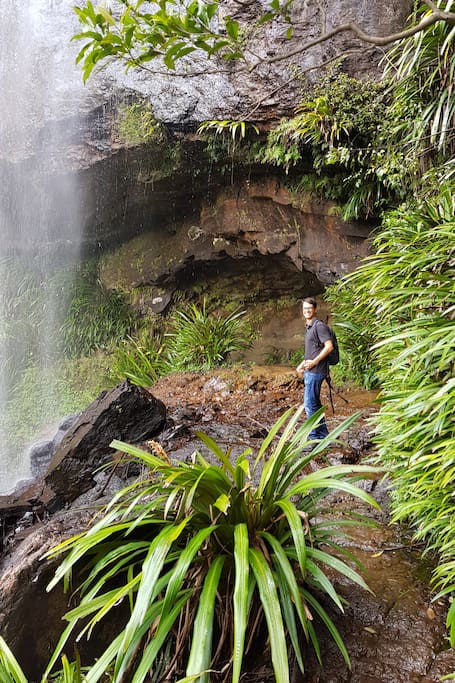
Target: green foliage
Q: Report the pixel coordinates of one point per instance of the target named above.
(200, 554)
(24, 300)
(141, 360)
(344, 127)
(422, 69)
(10, 671)
(283, 147)
(228, 143)
(404, 293)
(201, 339)
(322, 186)
(234, 130)
(86, 316)
(279, 357)
(46, 394)
(197, 339)
(96, 318)
(137, 125)
(358, 360)
(170, 31)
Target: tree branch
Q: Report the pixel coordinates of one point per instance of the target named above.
(435, 16)
(301, 72)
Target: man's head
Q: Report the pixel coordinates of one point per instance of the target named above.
(309, 306)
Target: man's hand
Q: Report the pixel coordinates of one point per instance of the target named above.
(305, 365)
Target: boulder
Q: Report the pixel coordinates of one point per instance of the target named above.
(127, 412)
(30, 617)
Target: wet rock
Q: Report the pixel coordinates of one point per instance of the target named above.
(223, 91)
(41, 452)
(30, 617)
(356, 446)
(215, 386)
(127, 412)
(244, 231)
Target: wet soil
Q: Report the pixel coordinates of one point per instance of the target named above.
(396, 633)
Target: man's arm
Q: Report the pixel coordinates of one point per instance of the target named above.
(310, 364)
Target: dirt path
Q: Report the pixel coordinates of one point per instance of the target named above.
(238, 406)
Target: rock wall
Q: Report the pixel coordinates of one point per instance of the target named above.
(289, 243)
(234, 90)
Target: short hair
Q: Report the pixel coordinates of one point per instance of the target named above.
(310, 300)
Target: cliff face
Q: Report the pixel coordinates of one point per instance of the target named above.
(183, 216)
(267, 91)
(252, 229)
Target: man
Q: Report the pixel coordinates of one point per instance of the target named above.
(315, 367)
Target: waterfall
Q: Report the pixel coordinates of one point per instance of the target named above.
(40, 231)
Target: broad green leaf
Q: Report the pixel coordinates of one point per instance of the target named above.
(271, 606)
(10, 664)
(216, 450)
(288, 575)
(297, 531)
(153, 564)
(289, 615)
(232, 28)
(201, 643)
(179, 572)
(106, 15)
(241, 582)
(223, 503)
(319, 578)
(151, 460)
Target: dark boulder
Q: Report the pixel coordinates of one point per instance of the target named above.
(127, 412)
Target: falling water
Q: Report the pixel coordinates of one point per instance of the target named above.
(39, 200)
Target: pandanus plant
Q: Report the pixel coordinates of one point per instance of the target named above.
(213, 560)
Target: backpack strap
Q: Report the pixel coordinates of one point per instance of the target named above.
(316, 331)
(328, 379)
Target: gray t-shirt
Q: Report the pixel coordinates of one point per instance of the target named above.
(314, 342)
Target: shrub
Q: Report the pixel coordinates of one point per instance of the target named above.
(200, 339)
(344, 125)
(142, 361)
(201, 554)
(44, 395)
(137, 125)
(405, 294)
(96, 318)
(358, 360)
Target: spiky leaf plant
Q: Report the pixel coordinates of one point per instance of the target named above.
(202, 339)
(10, 671)
(211, 560)
(422, 69)
(405, 293)
(142, 360)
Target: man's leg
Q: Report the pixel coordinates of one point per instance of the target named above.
(312, 403)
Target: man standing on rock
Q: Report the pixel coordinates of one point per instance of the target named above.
(318, 345)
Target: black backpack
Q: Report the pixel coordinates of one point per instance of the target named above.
(334, 356)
